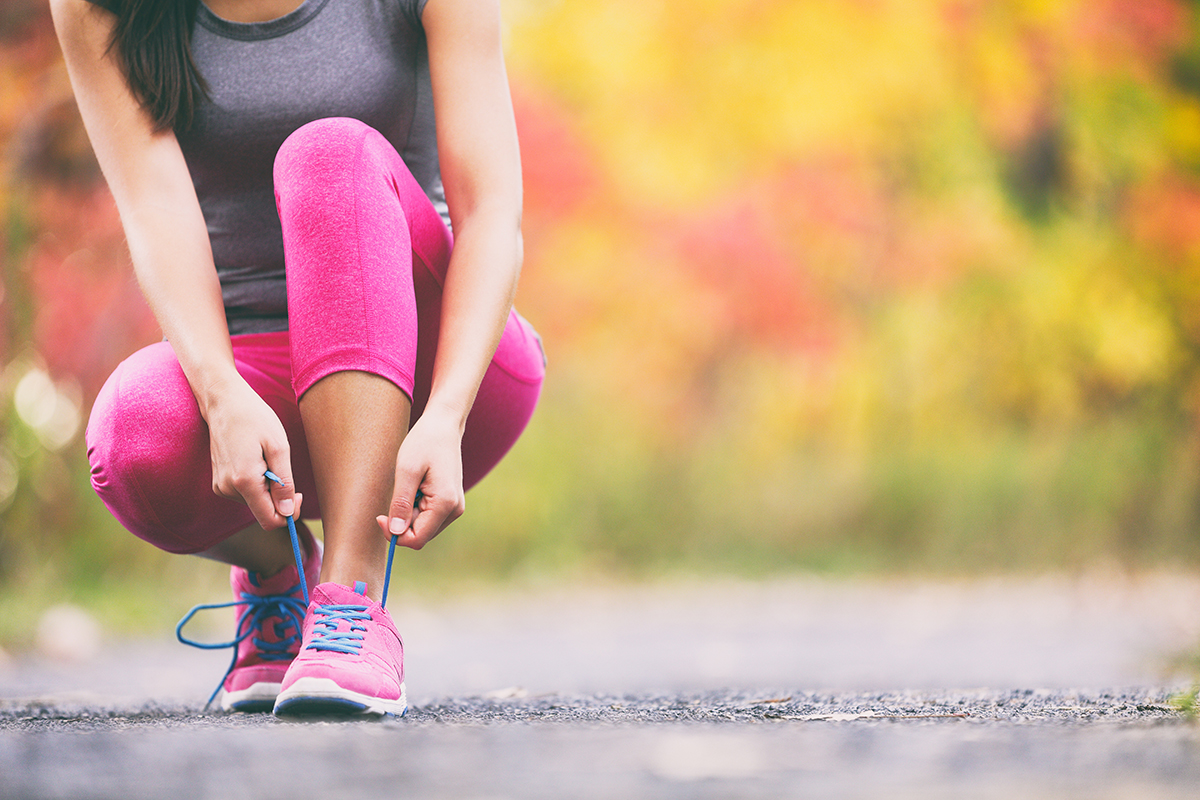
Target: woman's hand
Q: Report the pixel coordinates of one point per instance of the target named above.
(481, 171)
(247, 439)
(172, 256)
(429, 474)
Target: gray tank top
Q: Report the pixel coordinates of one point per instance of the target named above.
(364, 59)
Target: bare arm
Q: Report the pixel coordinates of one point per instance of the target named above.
(481, 170)
(173, 260)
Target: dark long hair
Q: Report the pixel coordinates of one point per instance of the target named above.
(154, 40)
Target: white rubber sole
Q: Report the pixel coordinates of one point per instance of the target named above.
(256, 697)
(322, 696)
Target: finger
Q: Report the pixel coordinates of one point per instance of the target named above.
(389, 529)
(235, 484)
(405, 495)
(283, 499)
(434, 516)
(385, 525)
(274, 516)
(257, 496)
(280, 483)
(228, 492)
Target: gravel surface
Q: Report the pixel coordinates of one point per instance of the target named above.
(984, 744)
(786, 689)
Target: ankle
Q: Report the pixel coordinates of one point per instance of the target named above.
(372, 577)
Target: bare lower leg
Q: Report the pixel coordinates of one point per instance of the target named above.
(355, 422)
(264, 552)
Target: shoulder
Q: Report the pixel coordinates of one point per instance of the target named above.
(82, 6)
(408, 11)
(464, 12)
(65, 10)
(77, 21)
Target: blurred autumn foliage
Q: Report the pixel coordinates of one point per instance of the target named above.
(837, 284)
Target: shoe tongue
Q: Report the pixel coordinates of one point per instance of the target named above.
(337, 593)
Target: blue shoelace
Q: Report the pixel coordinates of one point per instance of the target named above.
(326, 618)
(325, 628)
(291, 612)
(288, 610)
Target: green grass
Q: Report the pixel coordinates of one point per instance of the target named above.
(1187, 703)
(562, 508)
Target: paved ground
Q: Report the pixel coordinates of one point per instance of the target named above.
(1051, 688)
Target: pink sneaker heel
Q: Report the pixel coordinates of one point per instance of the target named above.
(267, 633)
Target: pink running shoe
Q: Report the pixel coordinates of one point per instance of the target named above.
(267, 635)
(352, 659)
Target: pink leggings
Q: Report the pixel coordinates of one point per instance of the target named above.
(366, 257)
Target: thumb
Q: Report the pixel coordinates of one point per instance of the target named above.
(283, 494)
(403, 509)
(384, 522)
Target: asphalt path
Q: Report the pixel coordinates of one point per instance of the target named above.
(1059, 687)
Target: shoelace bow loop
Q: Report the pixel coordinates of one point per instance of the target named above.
(259, 609)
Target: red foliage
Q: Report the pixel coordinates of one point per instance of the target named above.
(793, 256)
(557, 168)
(90, 313)
(1165, 215)
(1134, 32)
(73, 267)
(767, 292)
(562, 187)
